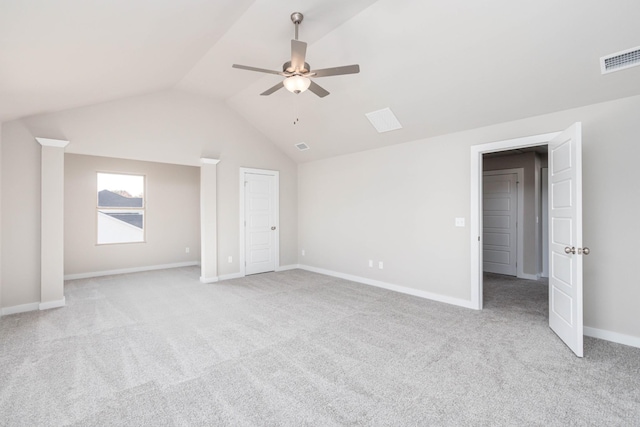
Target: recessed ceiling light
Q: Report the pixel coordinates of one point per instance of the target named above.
(384, 120)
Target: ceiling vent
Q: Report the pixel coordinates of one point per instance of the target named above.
(302, 146)
(620, 60)
(384, 120)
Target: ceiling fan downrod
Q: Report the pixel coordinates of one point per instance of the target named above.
(296, 18)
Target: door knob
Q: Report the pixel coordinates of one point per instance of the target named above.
(570, 250)
(585, 251)
(273, 228)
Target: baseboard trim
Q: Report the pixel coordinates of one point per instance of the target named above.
(209, 279)
(22, 308)
(239, 275)
(391, 287)
(230, 276)
(287, 267)
(130, 270)
(529, 276)
(612, 336)
(52, 304)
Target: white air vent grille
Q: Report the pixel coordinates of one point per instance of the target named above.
(302, 146)
(384, 120)
(620, 61)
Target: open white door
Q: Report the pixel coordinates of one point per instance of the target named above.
(565, 237)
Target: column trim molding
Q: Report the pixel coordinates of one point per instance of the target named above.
(48, 142)
(207, 161)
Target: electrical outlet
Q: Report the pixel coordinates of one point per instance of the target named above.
(459, 222)
(186, 250)
(370, 263)
(380, 265)
(230, 259)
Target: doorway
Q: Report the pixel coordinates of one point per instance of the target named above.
(565, 228)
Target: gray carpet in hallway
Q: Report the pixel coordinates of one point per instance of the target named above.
(298, 348)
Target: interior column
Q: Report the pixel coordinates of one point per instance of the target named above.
(208, 221)
(52, 224)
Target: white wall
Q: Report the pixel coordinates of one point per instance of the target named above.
(168, 127)
(172, 217)
(397, 204)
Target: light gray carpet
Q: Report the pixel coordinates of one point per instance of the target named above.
(297, 348)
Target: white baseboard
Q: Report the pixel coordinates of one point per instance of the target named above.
(22, 308)
(230, 276)
(52, 304)
(287, 267)
(209, 279)
(529, 276)
(612, 336)
(130, 270)
(238, 275)
(391, 287)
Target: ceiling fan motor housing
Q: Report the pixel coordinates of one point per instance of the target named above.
(287, 68)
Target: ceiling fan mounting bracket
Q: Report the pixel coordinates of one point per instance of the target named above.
(297, 17)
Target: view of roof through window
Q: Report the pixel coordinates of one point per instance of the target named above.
(120, 208)
(127, 186)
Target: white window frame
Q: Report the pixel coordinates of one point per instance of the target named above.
(142, 209)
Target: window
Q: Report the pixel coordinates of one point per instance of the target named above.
(121, 208)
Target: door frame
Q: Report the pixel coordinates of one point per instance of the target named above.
(544, 221)
(276, 240)
(476, 202)
(519, 172)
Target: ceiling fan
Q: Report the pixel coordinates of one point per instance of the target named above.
(297, 73)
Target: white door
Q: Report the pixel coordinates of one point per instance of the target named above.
(260, 201)
(500, 213)
(565, 237)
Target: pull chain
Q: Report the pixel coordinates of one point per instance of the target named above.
(295, 109)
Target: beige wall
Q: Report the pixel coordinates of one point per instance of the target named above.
(172, 218)
(397, 204)
(1, 215)
(20, 216)
(526, 161)
(166, 127)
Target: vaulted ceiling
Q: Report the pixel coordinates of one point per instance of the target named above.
(441, 66)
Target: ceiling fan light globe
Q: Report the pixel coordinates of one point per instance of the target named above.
(297, 84)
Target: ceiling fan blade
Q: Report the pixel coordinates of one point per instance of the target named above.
(336, 71)
(273, 89)
(318, 90)
(260, 70)
(298, 53)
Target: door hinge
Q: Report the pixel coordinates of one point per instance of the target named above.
(478, 238)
